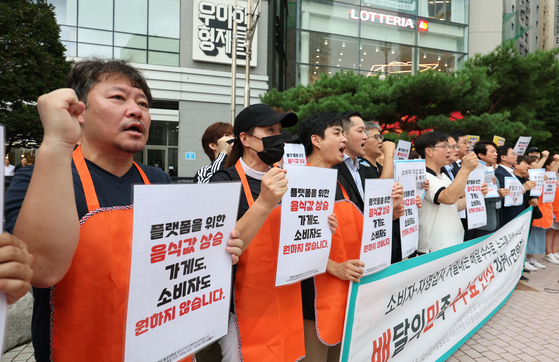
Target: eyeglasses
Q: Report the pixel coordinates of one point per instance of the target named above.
(454, 147)
(446, 147)
(377, 136)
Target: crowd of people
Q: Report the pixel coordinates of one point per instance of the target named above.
(70, 216)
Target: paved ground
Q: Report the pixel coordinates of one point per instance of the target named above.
(524, 329)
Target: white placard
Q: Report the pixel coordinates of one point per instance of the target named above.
(403, 150)
(180, 279)
(522, 145)
(294, 154)
(537, 175)
(415, 168)
(409, 223)
(549, 188)
(376, 241)
(305, 235)
(491, 187)
(514, 198)
(475, 202)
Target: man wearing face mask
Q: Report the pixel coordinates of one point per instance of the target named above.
(266, 321)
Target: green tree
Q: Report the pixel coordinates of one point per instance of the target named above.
(32, 63)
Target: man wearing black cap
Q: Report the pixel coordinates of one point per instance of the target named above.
(268, 321)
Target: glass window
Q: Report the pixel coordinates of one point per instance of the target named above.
(164, 44)
(96, 14)
(329, 17)
(456, 11)
(328, 50)
(90, 50)
(394, 28)
(163, 58)
(173, 134)
(66, 11)
(385, 58)
(95, 36)
(164, 18)
(445, 36)
(308, 74)
(131, 16)
(68, 33)
(130, 41)
(157, 134)
(71, 48)
(132, 55)
(440, 61)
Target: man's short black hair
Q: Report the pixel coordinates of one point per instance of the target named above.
(521, 159)
(427, 140)
(481, 147)
(457, 133)
(86, 73)
(502, 151)
(316, 124)
(345, 116)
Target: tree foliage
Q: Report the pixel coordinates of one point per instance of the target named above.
(499, 93)
(32, 63)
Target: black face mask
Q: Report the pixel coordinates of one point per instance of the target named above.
(273, 149)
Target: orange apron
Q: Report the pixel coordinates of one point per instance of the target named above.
(547, 212)
(270, 319)
(330, 291)
(90, 301)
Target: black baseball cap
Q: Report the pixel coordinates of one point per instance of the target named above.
(261, 115)
(532, 149)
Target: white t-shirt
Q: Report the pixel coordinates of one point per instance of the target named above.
(9, 170)
(439, 224)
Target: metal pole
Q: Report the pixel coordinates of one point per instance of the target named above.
(248, 43)
(234, 65)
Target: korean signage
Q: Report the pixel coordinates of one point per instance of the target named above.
(475, 202)
(403, 150)
(522, 145)
(180, 273)
(212, 34)
(538, 176)
(294, 154)
(425, 308)
(305, 235)
(415, 168)
(397, 5)
(409, 223)
(514, 198)
(550, 187)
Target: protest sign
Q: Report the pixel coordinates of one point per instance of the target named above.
(537, 175)
(475, 202)
(550, 186)
(305, 235)
(521, 145)
(491, 187)
(409, 223)
(514, 198)
(376, 241)
(415, 168)
(473, 140)
(425, 308)
(403, 150)
(181, 273)
(294, 154)
(499, 141)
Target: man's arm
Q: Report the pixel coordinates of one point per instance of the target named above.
(388, 149)
(455, 190)
(48, 220)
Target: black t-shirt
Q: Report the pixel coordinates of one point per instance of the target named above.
(111, 191)
(369, 170)
(231, 174)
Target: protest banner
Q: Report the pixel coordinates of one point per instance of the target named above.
(475, 202)
(499, 141)
(537, 175)
(489, 180)
(522, 145)
(403, 150)
(376, 240)
(415, 168)
(514, 198)
(294, 154)
(423, 309)
(473, 140)
(550, 186)
(181, 273)
(3, 297)
(305, 235)
(409, 223)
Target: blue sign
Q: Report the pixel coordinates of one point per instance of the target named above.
(190, 155)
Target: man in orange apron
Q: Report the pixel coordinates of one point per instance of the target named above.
(73, 208)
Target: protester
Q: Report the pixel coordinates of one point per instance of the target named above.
(22, 163)
(216, 142)
(375, 147)
(267, 322)
(439, 224)
(464, 146)
(9, 170)
(73, 208)
(448, 169)
(350, 174)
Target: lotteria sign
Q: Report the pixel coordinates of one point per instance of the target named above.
(381, 18)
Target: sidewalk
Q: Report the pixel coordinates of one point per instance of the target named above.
(524, 329)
